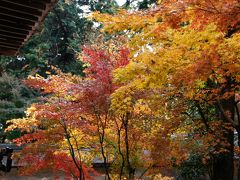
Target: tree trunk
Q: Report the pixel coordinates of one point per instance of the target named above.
(121, 154)
(131, 170)
(237, 116)
(223, 167)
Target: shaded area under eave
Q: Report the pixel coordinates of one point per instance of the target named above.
(18, 21)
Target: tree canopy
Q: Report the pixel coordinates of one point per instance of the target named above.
(160, 90)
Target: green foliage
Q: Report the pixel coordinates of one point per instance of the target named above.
(145, 4)
(107, 6)
(58, 41)
(14, 97)
(13, 134)
(192, 169)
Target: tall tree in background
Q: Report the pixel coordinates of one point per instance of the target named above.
(60, 38)
(14, 98)
(57, 42)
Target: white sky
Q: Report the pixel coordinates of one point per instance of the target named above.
(133, 3)
(121, 2)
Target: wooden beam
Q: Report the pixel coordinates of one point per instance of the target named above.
(8, 47)
(13, 29)
(17, 25)
(13, 19)
(17, 43)
(19, 19)
(9, 44)
(12, 34)
(21, 15)
(19, 34)
(28, 3)
(7, 52)
(11, 38)
(18, 8)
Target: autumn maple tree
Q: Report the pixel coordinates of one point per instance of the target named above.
(75, 120)
(164, 87)
(185, 57)
(52, 134)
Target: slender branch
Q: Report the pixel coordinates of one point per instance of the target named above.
(101, 136)
(214, 7)
(131, 170)
(204, 119)
(71, 149)
(78, 151)
(119, 128)
(144, 172)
